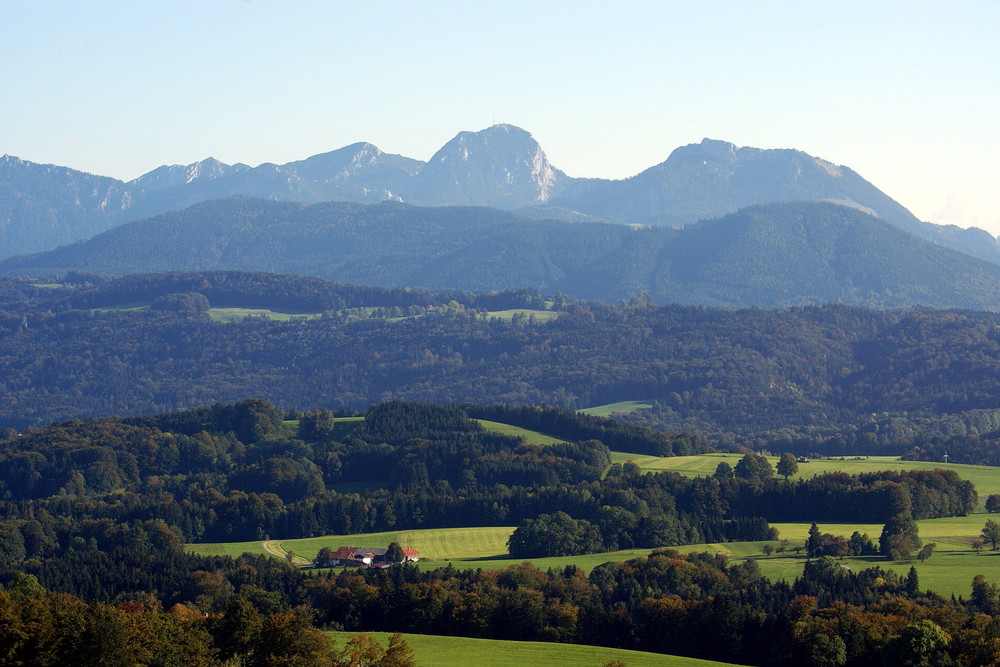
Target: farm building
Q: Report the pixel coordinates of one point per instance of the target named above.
(359, 557)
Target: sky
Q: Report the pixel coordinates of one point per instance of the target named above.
(906, 94)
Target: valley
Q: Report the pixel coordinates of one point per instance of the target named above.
(482, 374)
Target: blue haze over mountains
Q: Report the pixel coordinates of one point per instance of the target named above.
(45, 206)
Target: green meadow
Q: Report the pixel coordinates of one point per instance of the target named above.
(436, 545)
(540, 315)
(986, 478)
(233, 314)
(621, 408)
(435, 651)
(949, 571)
(530, 437)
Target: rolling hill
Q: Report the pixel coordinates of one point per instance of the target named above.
(772, 255)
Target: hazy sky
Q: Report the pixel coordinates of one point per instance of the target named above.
(907, 94)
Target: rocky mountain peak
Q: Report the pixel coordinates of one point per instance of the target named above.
(500, 166)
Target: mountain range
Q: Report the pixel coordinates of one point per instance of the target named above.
(769, 255)
(44, 206)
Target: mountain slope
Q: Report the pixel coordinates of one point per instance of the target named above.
(42, 206)
(707, 180)
(769, 255)
(500, 167)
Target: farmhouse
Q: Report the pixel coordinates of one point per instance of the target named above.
(359, 557)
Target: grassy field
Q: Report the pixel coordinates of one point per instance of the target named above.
(540, 315)
(624, 407)
(434, 544)
(949, 571)
(233, 549)
(531, 437)
(233, 314)
(986, 478)
(434, 651)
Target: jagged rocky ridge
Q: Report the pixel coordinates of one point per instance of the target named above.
(44, 206)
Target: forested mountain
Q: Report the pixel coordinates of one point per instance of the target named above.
(771, 255)
(44, 206)
(835, 378)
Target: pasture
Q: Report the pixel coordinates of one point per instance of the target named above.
(530, 437)
(436, 651)
(985, 478)
(620, 408)
(436, 545)
(234, 314)
(949, 571)
(540, 315)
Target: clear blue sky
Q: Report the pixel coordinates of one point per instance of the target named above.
(907, 94)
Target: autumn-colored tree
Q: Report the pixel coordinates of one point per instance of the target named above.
(363, 650)
(289, 640)
(398, 653)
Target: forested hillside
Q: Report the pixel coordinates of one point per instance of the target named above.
(831, 378)
(97, 510)
(774, 255)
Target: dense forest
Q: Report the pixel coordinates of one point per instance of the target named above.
(830, 379)
(96, 513)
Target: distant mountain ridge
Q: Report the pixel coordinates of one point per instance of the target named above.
(771, 255)
(44, 206)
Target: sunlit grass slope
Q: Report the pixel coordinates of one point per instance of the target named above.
(435, 651)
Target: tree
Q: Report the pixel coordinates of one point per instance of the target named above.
(290, 640)
(398, 653)
(237, 632)
(926, 552)
(993, 503)
(768, 549)
(363, 651)
(984, 595)
(991, 533)
(899, 537)
(787, 465)
(556, 534)
(861, 545)
(394, 554)
(316, 425)
(723, 471)
(920, 643)
(814, 542)
(754, 467)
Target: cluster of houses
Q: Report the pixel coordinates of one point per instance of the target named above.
(360, 557)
